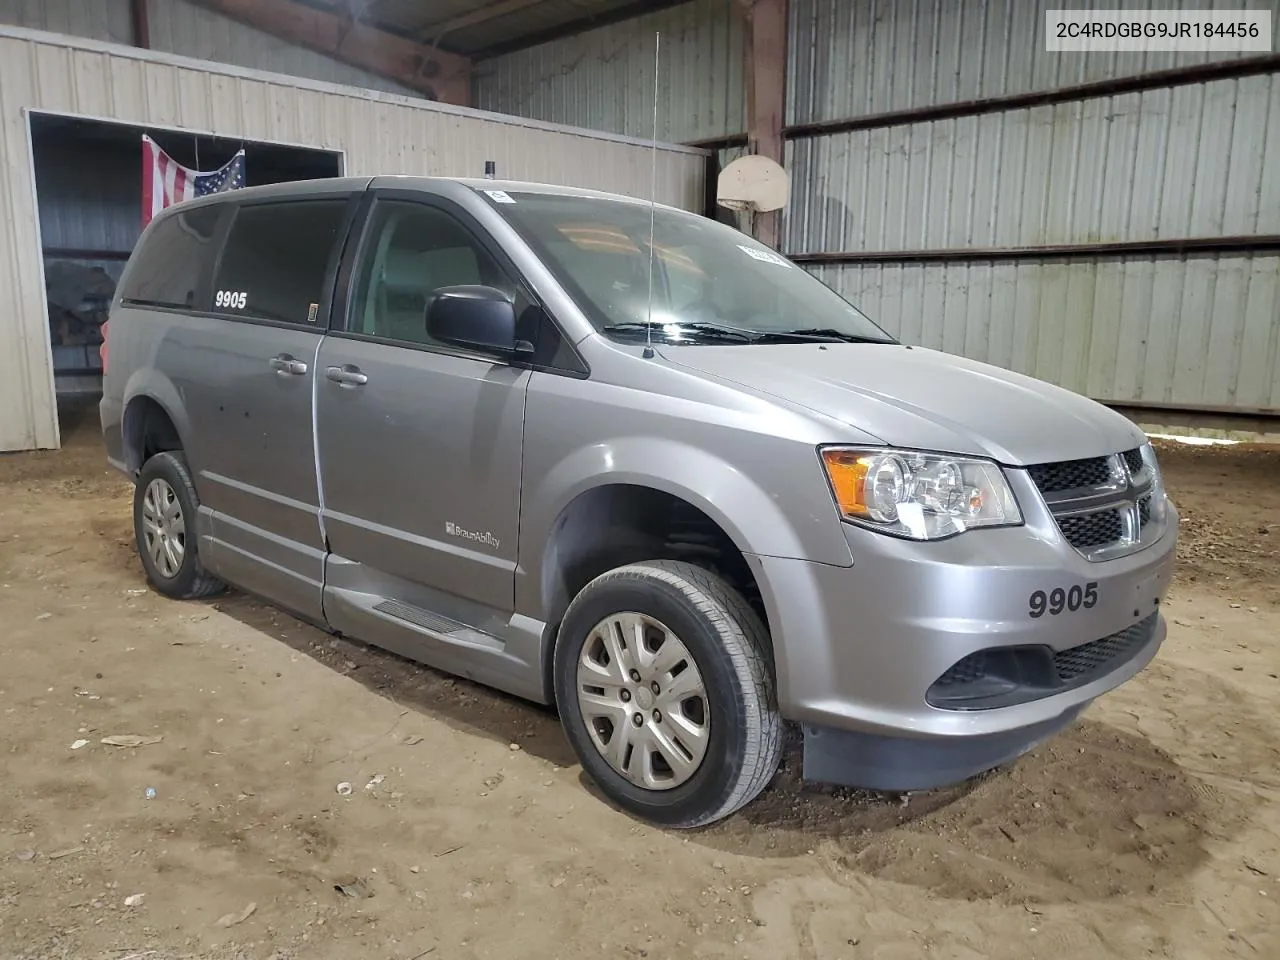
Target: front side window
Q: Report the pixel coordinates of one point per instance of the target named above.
(710, 283)
(167, 268)
(411, 251)
(276, 258)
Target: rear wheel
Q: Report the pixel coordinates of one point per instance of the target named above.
(665, 692)
(164, 526)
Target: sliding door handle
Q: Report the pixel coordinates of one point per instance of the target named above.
(288, 366)
(346, 376)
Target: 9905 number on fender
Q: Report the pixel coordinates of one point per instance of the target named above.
(1063, 599)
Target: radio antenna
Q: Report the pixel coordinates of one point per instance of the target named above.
(653, 190)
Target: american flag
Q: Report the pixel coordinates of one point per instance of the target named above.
(166, 182)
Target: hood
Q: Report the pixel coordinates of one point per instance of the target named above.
(925, 399)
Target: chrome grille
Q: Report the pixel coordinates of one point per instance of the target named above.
(1102, 505)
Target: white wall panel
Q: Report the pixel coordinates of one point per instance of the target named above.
(379, 133)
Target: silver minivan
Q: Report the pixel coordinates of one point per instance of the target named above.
(628, 461)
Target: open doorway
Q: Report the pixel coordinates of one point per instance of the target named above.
(88, 177)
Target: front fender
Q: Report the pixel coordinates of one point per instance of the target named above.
(796, 524)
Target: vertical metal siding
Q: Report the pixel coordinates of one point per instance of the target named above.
(88, 212)
(191, 31)
(1189, 161)
(850, 58)
(1200, 331)
(1180, 162)
(604, 79)
(379, 133)
(106, 20)
(180, 27)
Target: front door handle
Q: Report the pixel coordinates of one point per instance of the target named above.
(346, 375)
(288, 366)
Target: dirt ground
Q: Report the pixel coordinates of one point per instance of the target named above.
(1150, 829)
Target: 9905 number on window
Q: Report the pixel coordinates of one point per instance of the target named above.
(1063, 600)
(234, 299)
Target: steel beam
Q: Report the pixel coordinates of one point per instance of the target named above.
(436, 74)
(1166, 246)
(141, 24)
(766, 70)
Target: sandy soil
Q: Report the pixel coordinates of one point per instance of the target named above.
(1150, 829)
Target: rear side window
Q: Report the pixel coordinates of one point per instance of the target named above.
(168, 266)
(276, 258)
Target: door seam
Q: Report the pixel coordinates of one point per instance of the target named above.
(315, 456)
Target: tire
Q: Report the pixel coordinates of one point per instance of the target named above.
(740, 733)
(162, 475)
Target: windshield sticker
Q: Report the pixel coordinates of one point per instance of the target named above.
(763, 256)
(499, 196)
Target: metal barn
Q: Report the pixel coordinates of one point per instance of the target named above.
(1109, 222)
(44, 74)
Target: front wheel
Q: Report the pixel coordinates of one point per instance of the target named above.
(664, 687)
(164, 526)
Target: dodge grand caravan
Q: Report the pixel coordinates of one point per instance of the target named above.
(654, 474)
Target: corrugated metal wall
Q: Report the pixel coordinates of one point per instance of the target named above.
(98, 212)
(190, 31)
(1200, 160)
(379, 133)
(604, 78)
(855, 57)
(1199, 332)
(106, 20)
(80, 214)
(1190, 161)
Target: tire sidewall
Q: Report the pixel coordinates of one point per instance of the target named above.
(167, 467)
(721, 767)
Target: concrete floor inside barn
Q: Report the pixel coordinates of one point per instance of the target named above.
(1151, 828)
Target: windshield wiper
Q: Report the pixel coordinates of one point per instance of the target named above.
(814, 335)
(702, 329)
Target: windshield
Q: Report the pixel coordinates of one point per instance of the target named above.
(711, 283)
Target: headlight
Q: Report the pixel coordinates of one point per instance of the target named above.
(1159, 504)
(922, 496)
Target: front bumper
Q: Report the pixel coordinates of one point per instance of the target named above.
(858, 649)
(877, 762)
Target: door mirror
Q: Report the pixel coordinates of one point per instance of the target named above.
(474, 317)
